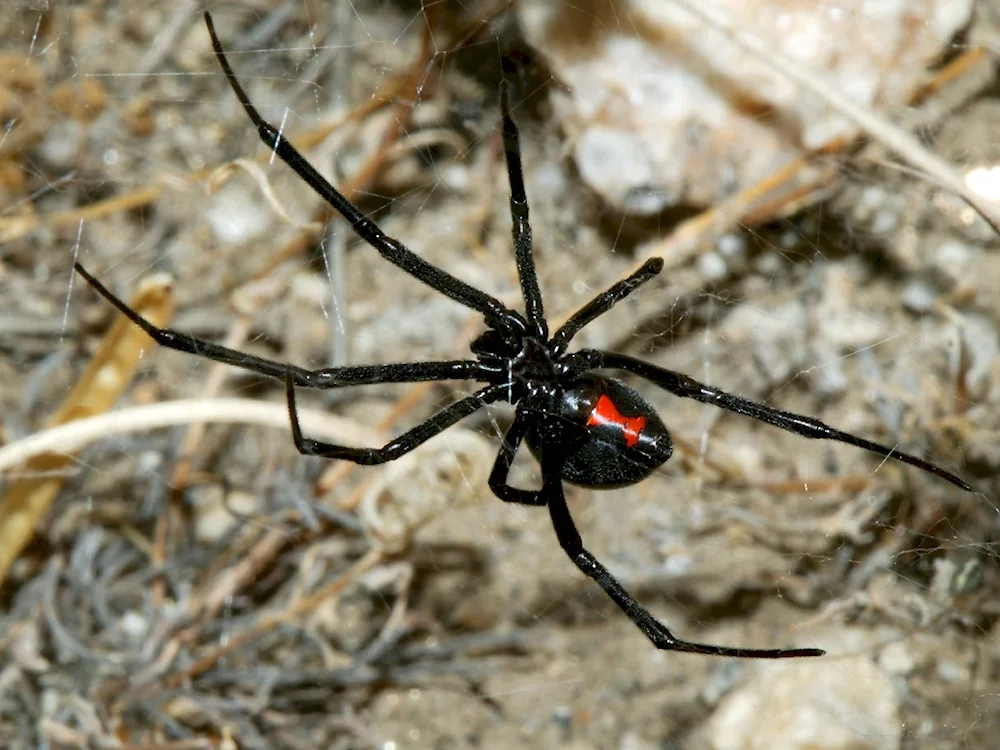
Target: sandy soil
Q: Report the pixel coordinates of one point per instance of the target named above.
(447, 619)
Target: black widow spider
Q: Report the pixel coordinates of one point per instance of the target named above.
(585, 429)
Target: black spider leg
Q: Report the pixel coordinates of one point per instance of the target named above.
(602, 303)
(496, 313)
(331, 377)
(657, 632)
(520, 226)
(686, 387)
(551, 494)
(401, 445)
(505, 458)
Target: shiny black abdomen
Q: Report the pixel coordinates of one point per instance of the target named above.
(610, 435)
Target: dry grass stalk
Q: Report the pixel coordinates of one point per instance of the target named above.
(109, 373)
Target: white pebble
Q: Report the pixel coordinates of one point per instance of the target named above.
(918, 296)
(952, 253)
(885, 221)
(842, 704)
(237, 216)
(712, 266)
(134, 624)
(61, 144)
(732, 244)
(897, 659)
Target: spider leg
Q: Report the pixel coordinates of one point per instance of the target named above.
(686, 387)
(602, 303)
(501, 468)
(658, 634)
(520, 226)
(551, 494)
(389, 248)
(394, 448)
(326, 378)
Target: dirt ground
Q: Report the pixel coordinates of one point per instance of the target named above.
(184, 590)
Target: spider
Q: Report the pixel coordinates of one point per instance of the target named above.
(584, 428)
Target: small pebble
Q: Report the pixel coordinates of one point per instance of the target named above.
(632, 740)
(134, 625)
(830, 380)
(951, 672)
(617, 161)
(456, 177)
(950, 261)
(550, 178)
(872, 198)
(563, 717)
(61, 144)
(712, 266)
(732, 244)
(918, 296)
(237, 216)
(768, 264)
(897, 659)
(885, 221)
(148, 463)
(951, 253)
(790, 239)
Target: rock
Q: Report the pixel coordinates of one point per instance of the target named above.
(662, 110)
(846, 703)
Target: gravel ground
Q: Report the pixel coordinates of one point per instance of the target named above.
(219, 590)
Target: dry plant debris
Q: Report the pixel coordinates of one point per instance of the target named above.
(207, 587)
(661, 110)
(105, 378)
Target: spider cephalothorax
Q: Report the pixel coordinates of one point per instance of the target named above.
(584, 427)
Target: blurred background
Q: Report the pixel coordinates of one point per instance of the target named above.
(176, 575)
